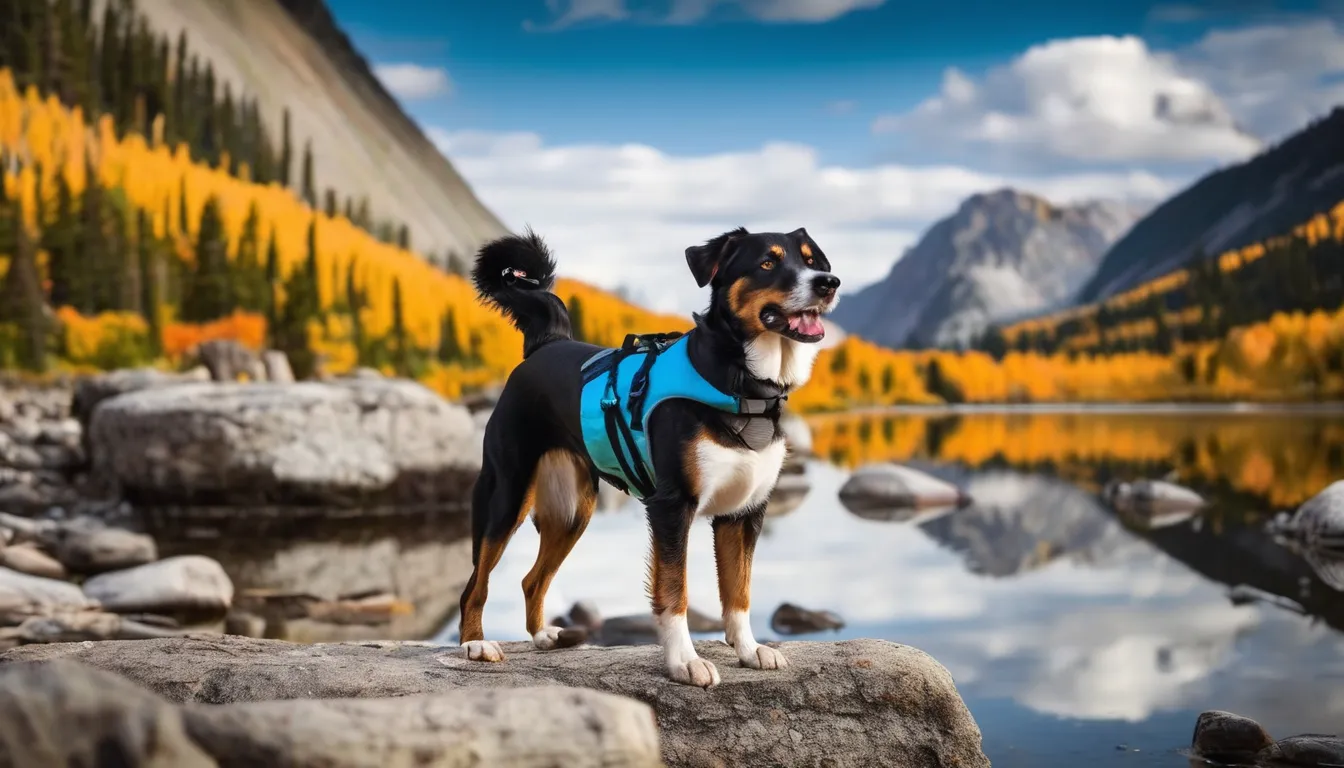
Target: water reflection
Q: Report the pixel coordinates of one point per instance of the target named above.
(423, 558)
(1041, 600)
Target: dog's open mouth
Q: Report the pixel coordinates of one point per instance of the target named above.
(802, 326)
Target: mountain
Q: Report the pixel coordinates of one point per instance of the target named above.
(1001, 255)
(291, 54)
(1264, 196)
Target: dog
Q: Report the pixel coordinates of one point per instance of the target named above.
(756, 342)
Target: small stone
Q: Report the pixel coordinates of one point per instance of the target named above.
(27, 558)
(790, 619)
(1228, 737)
(25, 457)
(20, 591)
(244, 624)
(87, 546)
(277, 366)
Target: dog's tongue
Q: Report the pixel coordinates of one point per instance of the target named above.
(807, 324)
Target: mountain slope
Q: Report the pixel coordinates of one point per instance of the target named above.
(1264, 196)
(291, 54)
(1001, 255)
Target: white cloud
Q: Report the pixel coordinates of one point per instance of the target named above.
(626, 213)
(412, 81)
(1095, 99)
(692, 11)
(1274, 78)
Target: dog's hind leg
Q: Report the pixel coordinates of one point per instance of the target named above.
(497, 511)
(566, 495)
(734, 546)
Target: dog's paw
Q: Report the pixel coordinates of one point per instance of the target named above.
(548, 638)
(483, 650)
(765, 657)
(697, 672)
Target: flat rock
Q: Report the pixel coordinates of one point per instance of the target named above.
(190, 586)
(90, 391)
(343, 443)
(1228, 737)
(26, 558)
(851, 703)
(67, 714)
(523, 727)
(885, 486)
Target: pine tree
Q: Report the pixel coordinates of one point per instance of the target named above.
(286, 166)
(21, 300)
(210, 293)
(450, 349)
(301, 307)
(89, 292)
(250, 274)
(576, 320)
(150, 298)
(402, 350)
(179, 126)
(457, 265)
(309, 188)
(272, 282)
(356, 302)
(404, 237)
(329, 203)
(59, 240)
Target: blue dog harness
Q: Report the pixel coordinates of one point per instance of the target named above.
(623, 386)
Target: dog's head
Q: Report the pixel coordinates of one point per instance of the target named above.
(768, 282)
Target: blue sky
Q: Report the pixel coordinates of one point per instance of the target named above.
(603, 122)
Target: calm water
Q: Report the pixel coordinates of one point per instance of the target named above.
(1076, 637)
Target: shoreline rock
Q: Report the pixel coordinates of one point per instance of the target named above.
(343, 443)
(1233, 739)
(850, 703)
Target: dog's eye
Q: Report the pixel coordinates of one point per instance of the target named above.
(809, 261)
(768, 264)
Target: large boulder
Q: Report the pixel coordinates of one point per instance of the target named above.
(851, 703)
(348, 442)
(66, 714)
(93, 390)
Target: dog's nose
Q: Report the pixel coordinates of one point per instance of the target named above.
(825, 285)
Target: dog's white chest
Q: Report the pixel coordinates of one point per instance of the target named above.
(732, 479)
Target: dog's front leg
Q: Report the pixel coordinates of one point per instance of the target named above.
(734, 546)
(671, 527)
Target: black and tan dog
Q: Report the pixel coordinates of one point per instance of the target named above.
(757, 342)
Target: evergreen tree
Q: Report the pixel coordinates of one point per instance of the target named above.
(210, 293)
(450, 349)
(576, 320)
(89, 292)
(301, 307)
(355, 299)
(272, 282)
(150, 298)
(362, 218)
(400, 341)
(993, 343)
(457, 265)
(309, 187)
(888, 381)
(1162, 338)
(21, 300)
(251, 283)
(404, 237)
(329, 203)
(179, 126)
(59, 239)
(286, 165)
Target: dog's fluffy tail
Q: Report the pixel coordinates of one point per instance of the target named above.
(514, 274)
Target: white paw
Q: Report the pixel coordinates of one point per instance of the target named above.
(483, 650)
(697, 672)
(764, 657)
(546, 638)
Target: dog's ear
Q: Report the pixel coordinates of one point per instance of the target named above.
(801, 234)
(705, 260)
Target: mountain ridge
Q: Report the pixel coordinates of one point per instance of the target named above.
(1001, 254)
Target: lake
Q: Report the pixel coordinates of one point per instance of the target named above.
(1077, 636)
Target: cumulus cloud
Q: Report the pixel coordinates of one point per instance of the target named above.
(412, 81)
(1094, 99)
(1274, 78)
(624, 214)
(692, 11)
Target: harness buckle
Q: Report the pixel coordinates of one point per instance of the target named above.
(609, 403)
